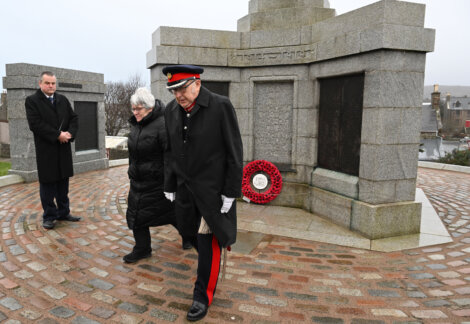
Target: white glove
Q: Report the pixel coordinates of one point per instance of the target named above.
(226, 204)
(170, 196)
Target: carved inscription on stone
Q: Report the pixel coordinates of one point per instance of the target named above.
(273, 109)
(276, 55)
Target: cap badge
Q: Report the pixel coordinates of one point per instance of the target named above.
(169, 76)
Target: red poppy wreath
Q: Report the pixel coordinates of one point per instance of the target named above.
(262, 181)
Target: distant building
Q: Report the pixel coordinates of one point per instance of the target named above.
(455, 112)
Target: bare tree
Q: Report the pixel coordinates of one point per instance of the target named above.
(117, 104)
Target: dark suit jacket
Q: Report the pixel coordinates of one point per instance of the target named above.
(209, 164)
(54, 160)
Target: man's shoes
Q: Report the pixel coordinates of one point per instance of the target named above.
(187, 244)
(135, 256)
(197, 311)
(48, 224)
(69, 218)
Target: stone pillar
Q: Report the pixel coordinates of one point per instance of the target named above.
(278, 57)
(82, 89)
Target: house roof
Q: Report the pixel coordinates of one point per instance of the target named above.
(459, 103)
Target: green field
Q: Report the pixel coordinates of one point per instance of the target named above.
(4, 167)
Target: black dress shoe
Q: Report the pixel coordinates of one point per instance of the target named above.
(135, 256)
(187, 245)
(197, 311)
(48, 224)
(69, 218)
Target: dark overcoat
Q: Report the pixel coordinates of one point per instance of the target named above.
(208, 163)
(46, 121)
(147, 205)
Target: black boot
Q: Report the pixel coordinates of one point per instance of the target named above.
(135, 256)
(187, 244)
(197, 311)
(142, 247)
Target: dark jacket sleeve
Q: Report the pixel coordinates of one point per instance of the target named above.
(37, 124)
(169, 176)
(234, 152)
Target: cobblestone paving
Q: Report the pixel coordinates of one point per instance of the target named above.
(74, 273)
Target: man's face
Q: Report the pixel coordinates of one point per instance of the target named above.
(186, 96)
(48, 84)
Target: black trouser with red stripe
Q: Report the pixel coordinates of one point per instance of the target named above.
(208, 268)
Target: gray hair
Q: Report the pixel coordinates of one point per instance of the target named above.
(143, 97)
(48, 73)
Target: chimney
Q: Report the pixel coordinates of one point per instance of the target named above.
(435, 98)
(435, 102)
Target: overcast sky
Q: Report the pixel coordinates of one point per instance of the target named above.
(113, 36)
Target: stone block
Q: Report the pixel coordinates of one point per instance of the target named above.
(286, 55)
(88, 155)
(293, 195)
(201, 56)
(307, 122)
(340, 45)
(90, 165)
(287, 18)
(248, 153)
(341, 183)
(266, 5)
(332, 206)
(391, 126)
(191, 37)
(388, 162)
(379, 13)
(273, 38)
(239, 93)
(301, 174)
(306, 151)
(243, 25)
(34, 70)
(397, 37)
(307, 90)
(386, 191)
(291, 73)
(163, 55)
(393, 89)
(222, 74)
(386, 220)
(245, 121)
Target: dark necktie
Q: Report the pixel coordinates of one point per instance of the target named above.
(51, 99)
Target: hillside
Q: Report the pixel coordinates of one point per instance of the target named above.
(456, 91)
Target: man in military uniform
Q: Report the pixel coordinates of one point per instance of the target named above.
(203, 173)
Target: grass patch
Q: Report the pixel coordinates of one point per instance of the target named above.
(4, 167)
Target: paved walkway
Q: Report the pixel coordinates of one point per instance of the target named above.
(74, 273)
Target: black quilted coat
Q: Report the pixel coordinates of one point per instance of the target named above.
(147, 205)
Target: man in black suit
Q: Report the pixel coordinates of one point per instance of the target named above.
(54, 125)
(203, 173)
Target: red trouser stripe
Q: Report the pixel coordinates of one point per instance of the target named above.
(215, 267)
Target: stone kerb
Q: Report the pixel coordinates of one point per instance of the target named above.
(265, 5)
(21, 81)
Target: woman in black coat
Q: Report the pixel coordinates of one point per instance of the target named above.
(147, 205)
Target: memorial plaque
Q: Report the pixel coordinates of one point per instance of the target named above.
(273, 103)
(87, 137)
(220, 88)
(340, 122)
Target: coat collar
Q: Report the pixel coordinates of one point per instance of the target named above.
(43, 97)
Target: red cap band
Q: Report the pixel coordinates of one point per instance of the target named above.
(181, 76)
